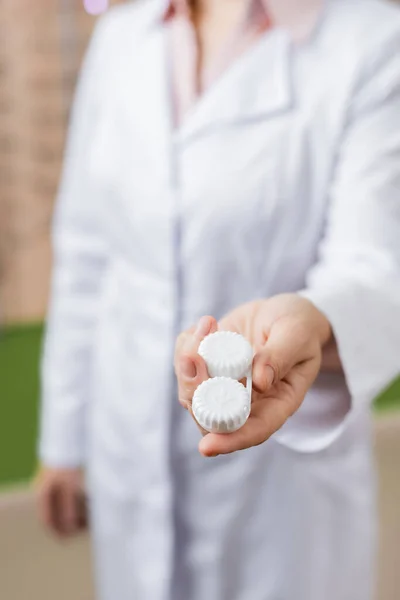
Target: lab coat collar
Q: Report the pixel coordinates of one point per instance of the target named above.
(258, 85)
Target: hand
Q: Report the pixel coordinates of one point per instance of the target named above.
(61, 501)
(287, 333)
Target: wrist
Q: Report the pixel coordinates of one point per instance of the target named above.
(324, 328)
(321, 322)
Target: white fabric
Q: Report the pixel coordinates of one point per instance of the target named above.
(284, 177)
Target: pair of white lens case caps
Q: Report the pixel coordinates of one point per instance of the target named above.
(222, 404)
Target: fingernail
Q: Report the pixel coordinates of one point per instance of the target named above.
(183, 403)
(270, 375)
(263, 377)
(208, 454)
(188, 367)
(203, 327)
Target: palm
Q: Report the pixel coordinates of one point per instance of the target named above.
(272, 405)
(287, 333)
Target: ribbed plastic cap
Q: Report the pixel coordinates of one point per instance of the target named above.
(226, 354)
(221, 405)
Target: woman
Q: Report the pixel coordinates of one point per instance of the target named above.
(240, 160)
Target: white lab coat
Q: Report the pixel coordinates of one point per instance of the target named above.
(284, 177)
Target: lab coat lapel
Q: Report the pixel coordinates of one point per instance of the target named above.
(257, 86)
(148, 103)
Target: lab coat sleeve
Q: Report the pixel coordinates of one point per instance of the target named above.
(356, 280)
(79, 255)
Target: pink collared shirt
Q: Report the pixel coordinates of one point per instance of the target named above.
(297, 16)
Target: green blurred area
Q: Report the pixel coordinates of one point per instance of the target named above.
(20, 349)
(19, 391)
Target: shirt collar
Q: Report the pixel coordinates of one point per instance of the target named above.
(257, 8)
(176, 7)
(299, 17)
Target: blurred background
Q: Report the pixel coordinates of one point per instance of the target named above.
(41, 46)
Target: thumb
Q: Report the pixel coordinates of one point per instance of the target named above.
(283, 349)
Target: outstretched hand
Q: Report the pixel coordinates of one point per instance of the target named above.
(287, 333)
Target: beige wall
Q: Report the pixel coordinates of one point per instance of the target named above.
(40, 51)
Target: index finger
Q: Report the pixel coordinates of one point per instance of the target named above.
(190, 368)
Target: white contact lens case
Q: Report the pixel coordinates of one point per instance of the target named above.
(222, 404)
